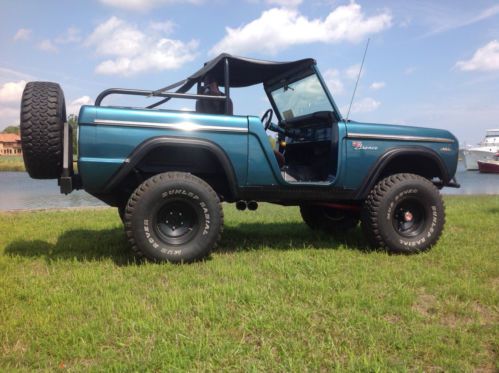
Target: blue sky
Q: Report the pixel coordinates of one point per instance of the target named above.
(430, 63)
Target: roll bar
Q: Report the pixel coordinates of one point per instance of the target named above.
(142, 92)
(168, 95)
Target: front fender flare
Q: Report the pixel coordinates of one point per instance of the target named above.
(377, 169)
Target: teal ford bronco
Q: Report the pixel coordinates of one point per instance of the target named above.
(168, 171)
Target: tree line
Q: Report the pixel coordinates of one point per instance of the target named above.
(72, 121)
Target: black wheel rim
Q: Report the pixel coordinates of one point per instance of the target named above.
(177, 221)
(409, 218)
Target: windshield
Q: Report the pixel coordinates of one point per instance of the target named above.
(304, 96)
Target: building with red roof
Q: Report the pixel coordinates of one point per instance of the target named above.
(10, 144)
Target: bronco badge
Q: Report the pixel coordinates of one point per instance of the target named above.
(357, 145)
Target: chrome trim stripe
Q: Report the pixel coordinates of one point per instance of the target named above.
(182, 126)
(397, 137)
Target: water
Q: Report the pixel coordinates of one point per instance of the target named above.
(473, 182)
(19, 191)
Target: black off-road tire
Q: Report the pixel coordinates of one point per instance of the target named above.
(404, 213)
(328, 219)
(43, 113)
(174, 217)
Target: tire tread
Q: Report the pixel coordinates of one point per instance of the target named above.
(370, 211)
(42, 118)
(150, 183)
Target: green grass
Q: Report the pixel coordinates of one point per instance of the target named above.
(274, 297)
(11, 163)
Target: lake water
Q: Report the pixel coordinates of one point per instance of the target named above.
(18, 191)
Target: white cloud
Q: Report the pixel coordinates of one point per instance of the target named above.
(352, 72)
(165, 27)
(72, 35)
(8, 116)
(9, 74)
(455, 114)
(445, 19)
(134, 51)
(285, 3)
(12, 91)
(377, 85)
(333, 81)
(46, 45)
(22, 34)
(74, 106)
(365, 105)
(116, 37)
(485, 58)
(279, 28)
(144, 5)
(10, 98)
(165, 54)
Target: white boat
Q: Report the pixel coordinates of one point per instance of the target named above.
(485, 150)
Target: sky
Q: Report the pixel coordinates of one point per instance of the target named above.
(429, 63)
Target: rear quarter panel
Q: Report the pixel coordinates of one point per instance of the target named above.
(104, 148)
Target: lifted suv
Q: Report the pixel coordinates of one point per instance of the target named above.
(167, 171)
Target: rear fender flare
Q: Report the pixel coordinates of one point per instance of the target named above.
(170, 141)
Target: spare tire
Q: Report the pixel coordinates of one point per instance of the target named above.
(43, 113)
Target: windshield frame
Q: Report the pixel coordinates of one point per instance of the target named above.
(292, 77)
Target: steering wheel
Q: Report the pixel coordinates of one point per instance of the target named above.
(267, 118)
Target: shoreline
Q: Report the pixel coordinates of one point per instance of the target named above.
(56, 209)
(12, 169)
(12, 163)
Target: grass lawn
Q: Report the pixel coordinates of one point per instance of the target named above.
(11, 163)
(274, 297)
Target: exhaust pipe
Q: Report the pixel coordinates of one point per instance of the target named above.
(252, 205)
(241, 205)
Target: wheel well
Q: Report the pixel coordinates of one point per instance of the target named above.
(198, 161)
(415, 161)
(418, 164)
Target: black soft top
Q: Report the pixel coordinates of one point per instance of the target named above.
(243, 72)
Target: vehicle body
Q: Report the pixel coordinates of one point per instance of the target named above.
(485, 150)
(326, 165)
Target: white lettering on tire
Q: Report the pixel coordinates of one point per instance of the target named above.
(156, 245)
(167, 194)
(430, 231)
